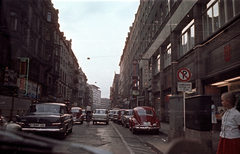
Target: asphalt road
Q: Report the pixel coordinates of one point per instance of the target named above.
(112, 137)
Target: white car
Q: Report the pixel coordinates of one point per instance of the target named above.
(100, 115)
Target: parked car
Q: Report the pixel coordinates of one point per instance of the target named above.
(51, 118)
(125, 117)
(110, 114)
(100, 115)
(119, 118)
(144, 119)
(77, 115)
(115, 115)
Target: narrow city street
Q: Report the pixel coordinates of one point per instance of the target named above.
(112, 137)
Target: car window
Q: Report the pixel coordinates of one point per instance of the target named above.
(145, 112)
(43, 109)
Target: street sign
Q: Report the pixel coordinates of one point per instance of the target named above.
(184, 86)
(184, 74)
(140, 98)
(134, 62)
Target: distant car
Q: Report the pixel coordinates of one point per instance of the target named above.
(84, 114)
(100, 115)
(51, 118)
(110, 114)
(144, 119)
(115, 115)
(77, 115)
(119, 118)
(125, 117)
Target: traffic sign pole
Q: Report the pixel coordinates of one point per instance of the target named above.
(184, 75)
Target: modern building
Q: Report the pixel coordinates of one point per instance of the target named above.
(105, 103)
(181, 41)
(96, 96)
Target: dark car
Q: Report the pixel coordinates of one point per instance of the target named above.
(77, 115)
(125, 117)
(51, 118)
(119, 118)
(144, 119)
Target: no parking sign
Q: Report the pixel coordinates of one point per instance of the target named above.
(184, 74)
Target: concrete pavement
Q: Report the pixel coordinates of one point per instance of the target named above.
(162, 146)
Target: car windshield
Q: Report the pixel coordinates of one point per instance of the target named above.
(75, 110)
(145, 112)
(100, 111)
(128, 113)
(44, 109)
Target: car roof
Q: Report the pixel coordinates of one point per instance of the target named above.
(143, 107)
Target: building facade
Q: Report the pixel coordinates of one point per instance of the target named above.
(37, 62)
(182, 41)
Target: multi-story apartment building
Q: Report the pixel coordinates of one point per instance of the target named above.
(114, 92)
(37, 62)
(170, 38)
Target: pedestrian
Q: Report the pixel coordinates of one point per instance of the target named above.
(214, 119)
(230, 129)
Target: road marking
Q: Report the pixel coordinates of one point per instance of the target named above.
(125, 143)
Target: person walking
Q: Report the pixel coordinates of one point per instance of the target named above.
(230, 129)
(214, 119)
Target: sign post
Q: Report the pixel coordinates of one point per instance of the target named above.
(184, 75)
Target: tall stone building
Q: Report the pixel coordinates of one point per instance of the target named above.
(37, 62)
(181, 41)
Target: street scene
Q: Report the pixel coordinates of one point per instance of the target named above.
(120, 76)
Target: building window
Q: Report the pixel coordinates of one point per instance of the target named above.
(157, 65)
(47, 36)
(187, 38)
(14, 20)
(167, 56)
(217, 13)
(49, 16)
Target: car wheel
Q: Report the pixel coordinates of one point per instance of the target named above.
(156, 132)
(93, 122)
(133, 131)
(107, 123)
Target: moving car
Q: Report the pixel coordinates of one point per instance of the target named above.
(125, 117)
(144, 119)
(77, 115)
(47, 118)
(100, 115)
(84, 114)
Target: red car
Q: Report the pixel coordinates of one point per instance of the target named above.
(120, 113)
(144, 119)
(77, 115)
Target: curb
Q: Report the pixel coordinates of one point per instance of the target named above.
(150, 145)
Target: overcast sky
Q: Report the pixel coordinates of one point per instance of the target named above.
(98, 30)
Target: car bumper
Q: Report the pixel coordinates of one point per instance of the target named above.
(146, 128)
(42, 130)
(100, 120)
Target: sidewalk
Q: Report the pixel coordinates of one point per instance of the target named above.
(161, 145)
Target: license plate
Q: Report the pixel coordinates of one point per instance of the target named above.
(37, 125)
(146, 123)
